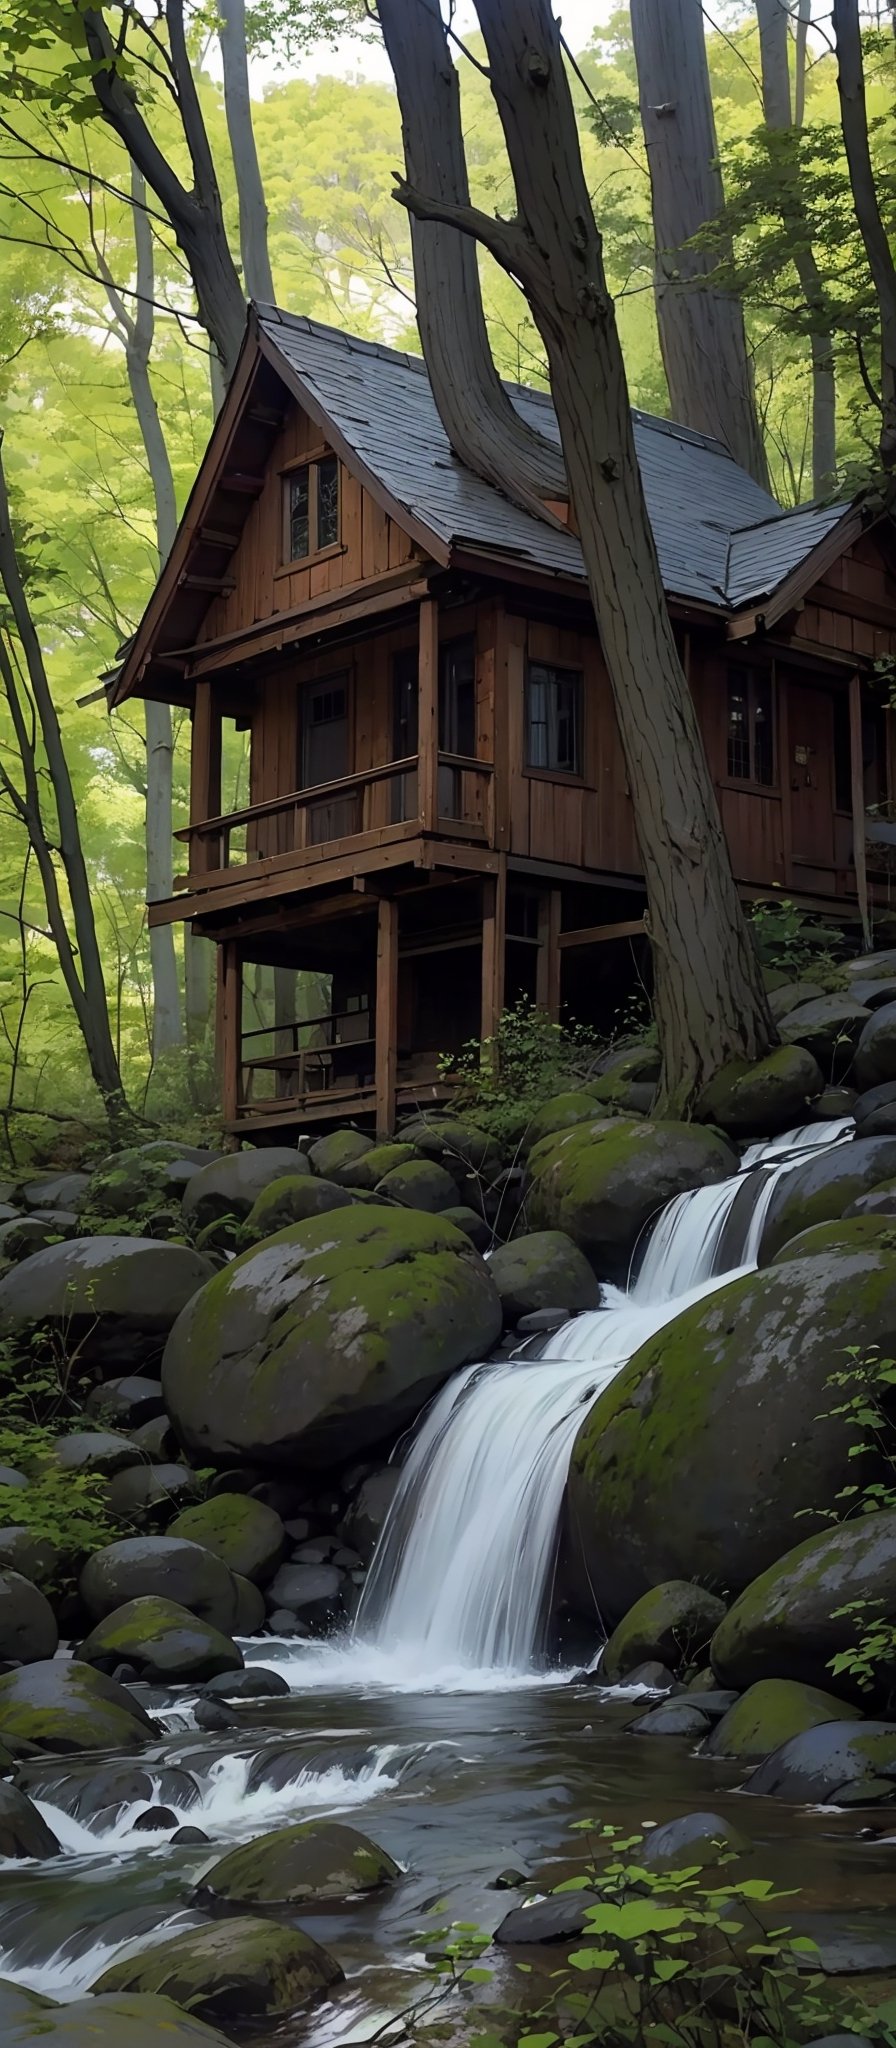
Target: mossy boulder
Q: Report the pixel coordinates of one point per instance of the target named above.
(875, 1112)
(561, 1113)
(819, 1191)
(28, 1631)
(328, 1338)
(231, 1186)
(329, 1156)
(700, 1458)
(131, 1181)
(542, 1270)
(830, 1028)
(241, 1970)
(673, 1624)
(851, 1234)
(878, 1203)
(293, 1199)
(164, 1642)
(64, 1707)
(850, 1763)
(245, 1533)
(419, 1184)
(769, 1713)
(875, 1060)
(115, 1297)
(310, 1864)
(459, 1146)
(759, 1097)
(24, 1833)
(602, 1182)
(167, 1566)
(366, 1172)
(105, 2023)
(786, 1624)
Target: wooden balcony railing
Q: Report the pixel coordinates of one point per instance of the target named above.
(344, 810)
(307, 1057)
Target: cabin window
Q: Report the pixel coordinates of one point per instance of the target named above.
(312, 509)
(325, 732)
(554, 718)
(751, 748)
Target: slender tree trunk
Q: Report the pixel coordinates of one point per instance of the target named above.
(196, 215)
(854, 118)
(710, 1001)
(80, 964)
(702, 334)
(257, 275)
(800, 63)
(774, 47)
(481, 423)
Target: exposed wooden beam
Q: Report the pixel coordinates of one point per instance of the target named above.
(547, 968)
(334, 609)
(216, 537)
(494, 923)
(219, 586)
(598, 934)
(857, 786)
(386, 1025)
(240, 482)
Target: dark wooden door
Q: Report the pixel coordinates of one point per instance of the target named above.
(810, 771)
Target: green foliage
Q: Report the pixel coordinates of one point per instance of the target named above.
(38, 1404)
(868, 1386)
(794, 942)
(502, 1081)
(871, 1660)
(686, 1958)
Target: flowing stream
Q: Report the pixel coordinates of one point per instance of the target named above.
(437, 1726)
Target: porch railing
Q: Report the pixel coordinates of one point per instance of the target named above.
(344, 809)
(306, 1057)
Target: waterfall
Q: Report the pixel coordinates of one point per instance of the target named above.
(462, 1572)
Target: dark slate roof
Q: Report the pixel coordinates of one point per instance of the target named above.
(721, 538)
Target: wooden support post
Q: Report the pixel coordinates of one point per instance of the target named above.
(547, 971)
(205, 776)
(386, 1023)
(428, 715)
(230, 1027)
(494, 918)
(857, 768)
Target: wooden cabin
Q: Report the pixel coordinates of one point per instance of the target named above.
(433, 815)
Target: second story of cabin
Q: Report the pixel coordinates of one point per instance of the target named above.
(387, 662)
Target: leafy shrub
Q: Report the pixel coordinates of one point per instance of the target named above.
(795, 943)
(38, 1404)
(500, 1082)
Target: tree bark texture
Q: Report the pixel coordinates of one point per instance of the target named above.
(710, 1000)
(80, 963)
(701, 327)
(196, 216)
(257, 275)
(479, 419)
(854, 119)
(773, 17)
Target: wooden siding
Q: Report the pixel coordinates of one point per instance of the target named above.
(369, 543)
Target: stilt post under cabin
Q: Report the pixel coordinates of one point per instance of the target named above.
(857, 776)
(547, 972)
(428, 715)
(230, 1003)
(494, 906)
(205, 777)
(386, 1020)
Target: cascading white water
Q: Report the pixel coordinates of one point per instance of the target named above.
(463, 1567)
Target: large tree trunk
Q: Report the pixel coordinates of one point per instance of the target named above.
(196, 216)
(854, 118)
(257, 275)
(701, 327)
(774, 47)
(80, 963)
(482, 425)
(710, 1001)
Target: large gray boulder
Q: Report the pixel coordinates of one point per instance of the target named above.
(328, 1338)
(705, 1455)
(56, 1191)
(769, 1714)
(34, 1557)
(602, 1182)
(543, 1270)
(233, 1971)
(64, 1707)
(28, 1630)
(791, 995)
(135, 1179)
(872, 966)
(164, 1643)
(24, 1833)
(875, 1112)
(247, 1534)
(819, 1191)
(292, 1199)
(330, 1155)
(309, 1864)
(672, 1624)
(115, 1297)
(231, 1186)
(161, 1565)
(108, 2022)
(837, 1763)
(875, 1060)
(126, 1403)
(756, 1098)
(787, 1623)
(830, 1029)
(148, 1494)
(99, 1451)
(419, 1184)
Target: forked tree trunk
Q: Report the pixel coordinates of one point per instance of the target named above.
(701, 326)
(257, 276)
(774, 47)
(481, 423)
(80, 963)
(710, 1000)
(854, 118)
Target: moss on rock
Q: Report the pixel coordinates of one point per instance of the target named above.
(602, 1182)
(787, 1623)
(366, 1172)
(309, 1864)
(163, 1641)
(65, 1707)
(231, 1186)
(820, 1191)
(672, 1624)
(330, 1155)
(328, 1338)
(419, 1184)
(561, 1113)
(850, 1234)
(242, 1970)
(698, 1459)
(542, 1270)
(293, 1199)
(760, 1097)
(245, 1533)
(769, 1713)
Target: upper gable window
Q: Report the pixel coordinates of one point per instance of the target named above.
(311, 509)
